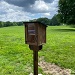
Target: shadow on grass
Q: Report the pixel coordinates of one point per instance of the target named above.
(64, 30)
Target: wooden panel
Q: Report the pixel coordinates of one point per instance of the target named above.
(26, 34)
(42, 34)
(31, 31)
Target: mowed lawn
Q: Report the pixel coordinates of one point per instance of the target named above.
(17, 59)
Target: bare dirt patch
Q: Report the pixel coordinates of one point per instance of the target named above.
(52, 69)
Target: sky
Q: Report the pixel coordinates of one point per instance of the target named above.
(24, 10)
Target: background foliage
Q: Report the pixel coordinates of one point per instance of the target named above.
(67, 11)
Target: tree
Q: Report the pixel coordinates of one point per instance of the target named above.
(54, 21)
(15, 24)
(19, 23)
(1, 24)
(6, 24)
(44, 20)
(67, 11)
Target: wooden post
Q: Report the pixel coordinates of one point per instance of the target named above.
(35, 61)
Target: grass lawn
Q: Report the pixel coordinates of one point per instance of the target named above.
(17, 59)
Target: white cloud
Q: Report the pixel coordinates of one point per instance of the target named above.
(46, 14)
(46, 9)
(40, 8)
(54, 5)
(14, 16)
(43, 7)
(12, 13)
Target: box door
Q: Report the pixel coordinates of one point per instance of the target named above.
(31, 33)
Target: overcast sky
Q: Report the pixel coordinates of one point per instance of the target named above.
(23, 10)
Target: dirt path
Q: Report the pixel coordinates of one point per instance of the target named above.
(52, 69)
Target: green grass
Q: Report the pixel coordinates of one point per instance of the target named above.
(60, 46)
(15, 56)
(17, 59)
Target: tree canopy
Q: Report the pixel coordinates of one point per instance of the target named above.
(67, 11)
(8, 23)
(54, 21)
(51, 22)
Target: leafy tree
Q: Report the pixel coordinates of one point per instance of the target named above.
(15, 24)
(19, 23)
(44, 20)
(67, 11)
(6, 24)
(1, 24)
(54, 21)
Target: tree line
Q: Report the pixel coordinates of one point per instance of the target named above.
(52, 22)
(8, 23)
